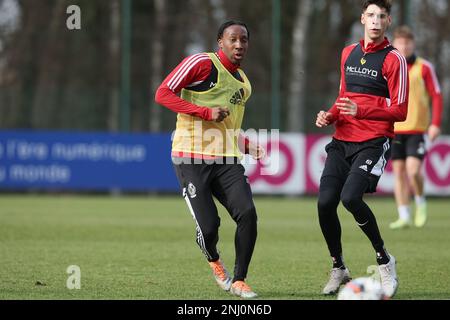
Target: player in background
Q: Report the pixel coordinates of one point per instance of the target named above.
(373, 96)
(408, 149)
(207, 147)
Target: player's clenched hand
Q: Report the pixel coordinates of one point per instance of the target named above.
(347, 107)
(220, 113)
(433, 132)
(323, 119)
(256, 151)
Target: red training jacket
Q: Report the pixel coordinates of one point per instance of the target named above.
(375, 115)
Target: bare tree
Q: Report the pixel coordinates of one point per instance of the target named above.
(432, 22)
(50, 70)
(296, 106)
(114, 57)
(20, 73)
(54, 78)
(157, 58)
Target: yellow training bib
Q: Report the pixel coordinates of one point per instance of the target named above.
(195, 135)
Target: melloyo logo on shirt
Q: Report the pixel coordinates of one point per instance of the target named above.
(362, 71)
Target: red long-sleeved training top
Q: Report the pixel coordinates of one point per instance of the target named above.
(375, 114)
(434, 90)
(192, 71)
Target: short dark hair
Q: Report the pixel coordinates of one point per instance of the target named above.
(386, 4)
(228, 24)
(403, 32)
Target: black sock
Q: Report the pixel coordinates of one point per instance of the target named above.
(382, 256)
(338, 262)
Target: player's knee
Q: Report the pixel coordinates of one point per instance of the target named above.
(327, 203)
(351, 202)
(414, 175)
(210, 231)
(248, 215)
(209, 234)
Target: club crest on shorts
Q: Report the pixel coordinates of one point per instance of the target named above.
(191, 190)
(421, 149)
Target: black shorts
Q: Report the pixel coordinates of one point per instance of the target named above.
(368, 158)
(408, 145)
(201, 182)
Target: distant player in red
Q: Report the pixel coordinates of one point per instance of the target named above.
(373, 95)
(408, 148)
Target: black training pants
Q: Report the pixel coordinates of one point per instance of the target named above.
(228, 184)
(351, 169)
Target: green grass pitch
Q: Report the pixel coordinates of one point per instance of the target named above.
(144, 248)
